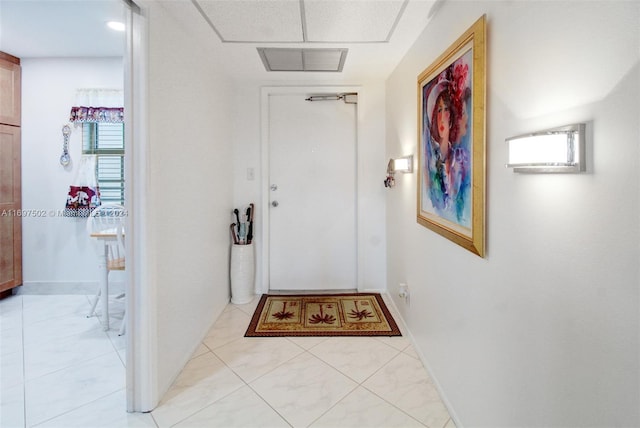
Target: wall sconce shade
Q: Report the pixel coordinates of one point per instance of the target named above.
(404, 164)
(553, 150)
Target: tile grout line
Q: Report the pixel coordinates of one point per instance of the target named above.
(22, 348)
(202, 408)
(57, 318)
(213, 402)
(384, 399)
(361, 384)
(69, 367)
(269, 405)
(304, 351)
(335, 404)
(25, 380)
(73, 410)
(398, 352)
(245, 383)
(264, 374)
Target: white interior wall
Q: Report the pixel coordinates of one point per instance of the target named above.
(190, 194)
(543, 331)
(371, 168)
(56, 249)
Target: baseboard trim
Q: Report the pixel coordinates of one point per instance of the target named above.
(65, 287)
(396, 312)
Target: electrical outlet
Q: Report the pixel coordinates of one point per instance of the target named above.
(403, 291)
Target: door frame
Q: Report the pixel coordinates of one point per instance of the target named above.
(140, 316)
(266, 92)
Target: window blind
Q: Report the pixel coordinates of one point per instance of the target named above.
(106, 140)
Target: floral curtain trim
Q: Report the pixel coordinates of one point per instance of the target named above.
(97, 114)
(84, 194)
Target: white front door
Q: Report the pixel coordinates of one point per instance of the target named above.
(312, 194)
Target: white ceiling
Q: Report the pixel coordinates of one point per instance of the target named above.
(290, 21)
(60, 28)
(377, 33)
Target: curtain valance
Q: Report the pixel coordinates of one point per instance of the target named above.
(98, 105)
(83, 114)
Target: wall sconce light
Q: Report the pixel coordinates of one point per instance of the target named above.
(403, 164)
(553, 150)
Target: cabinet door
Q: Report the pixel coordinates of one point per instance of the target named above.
(10, 89)
(10, 205)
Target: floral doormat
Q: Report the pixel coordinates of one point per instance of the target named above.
(359, 314)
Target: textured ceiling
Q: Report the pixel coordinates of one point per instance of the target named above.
(376, 33)
(299, 21)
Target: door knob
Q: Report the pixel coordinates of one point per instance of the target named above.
(274, 203)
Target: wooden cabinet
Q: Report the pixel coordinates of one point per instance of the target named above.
(10, 104)
(10, 175)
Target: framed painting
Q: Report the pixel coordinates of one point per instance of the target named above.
(451, 135)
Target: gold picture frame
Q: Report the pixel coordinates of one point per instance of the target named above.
(451, 142)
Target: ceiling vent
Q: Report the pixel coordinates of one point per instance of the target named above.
(310, 59)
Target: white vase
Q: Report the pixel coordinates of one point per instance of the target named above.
(242, 273)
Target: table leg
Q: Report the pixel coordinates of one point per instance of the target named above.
(104, 287)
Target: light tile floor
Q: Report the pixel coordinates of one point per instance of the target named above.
(59, 369)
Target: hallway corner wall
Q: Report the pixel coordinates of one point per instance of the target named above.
(190, 189)
(543, 331)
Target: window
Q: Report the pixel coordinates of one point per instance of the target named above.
(106, 140)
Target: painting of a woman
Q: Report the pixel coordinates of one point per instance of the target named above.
(446, 149)
(451, 142)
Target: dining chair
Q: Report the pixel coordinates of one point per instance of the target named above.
(108, 219)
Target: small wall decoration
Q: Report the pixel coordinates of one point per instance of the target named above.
(451, 135)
